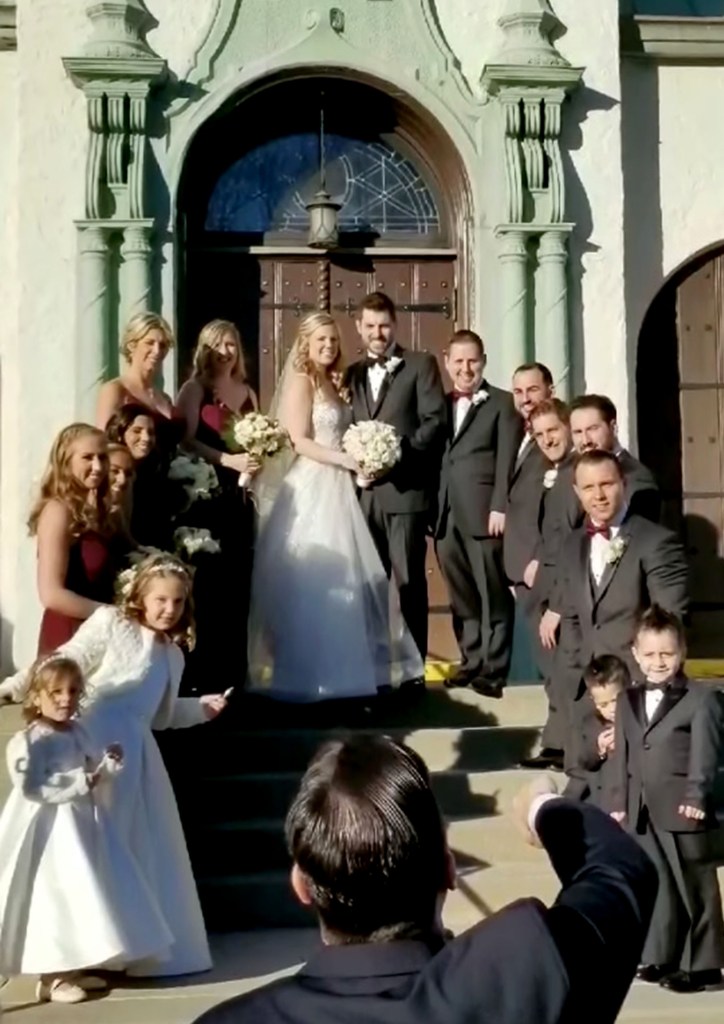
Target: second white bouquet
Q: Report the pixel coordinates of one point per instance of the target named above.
(374, 446)
(257, 435)
(197, 477)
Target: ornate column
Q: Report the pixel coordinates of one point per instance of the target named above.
(117, 71)
(552, 330)
(530, 80)
(93, 315)
(513, 325)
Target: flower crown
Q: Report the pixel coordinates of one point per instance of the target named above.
(51, 659)
(125, 581)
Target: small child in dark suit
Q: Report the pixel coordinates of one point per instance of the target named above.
(665, 759)
(588, 752)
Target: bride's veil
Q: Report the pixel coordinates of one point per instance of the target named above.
(267, 484)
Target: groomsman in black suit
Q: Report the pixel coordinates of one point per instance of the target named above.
(593, 425)
(484, 434)
(532, 384)
(402, 388)
(612, 569)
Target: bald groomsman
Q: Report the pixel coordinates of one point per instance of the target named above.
(484, 436)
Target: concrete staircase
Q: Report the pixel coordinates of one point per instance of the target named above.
(235, 780)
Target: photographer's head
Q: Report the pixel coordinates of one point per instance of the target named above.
(368, 842)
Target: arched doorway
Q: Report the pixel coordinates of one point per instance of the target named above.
(242, 227)
(680, 394)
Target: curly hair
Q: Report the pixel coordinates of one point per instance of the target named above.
(59, 484)
(209, 338)
(138, 327)
(43, 674)
(160, 566)
(301, 360)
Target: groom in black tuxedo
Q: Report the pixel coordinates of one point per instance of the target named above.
(404, 389)
(484, 434)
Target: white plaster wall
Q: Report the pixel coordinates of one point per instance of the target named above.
(49, 195)
(181, 28)
(9, 381)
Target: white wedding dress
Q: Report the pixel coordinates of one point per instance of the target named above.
(325, 620)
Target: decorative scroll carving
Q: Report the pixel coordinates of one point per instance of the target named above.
(323, 285)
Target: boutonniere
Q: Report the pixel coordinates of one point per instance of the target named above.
(481, 395)
(392, 364)
(616, 549)
(550, 477)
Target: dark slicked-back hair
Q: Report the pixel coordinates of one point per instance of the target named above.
(657, 620)
(597, 457)
(602, 403)
(377, 302)
(551, 406)
(542, 369)
(366, 832)
(605, 669)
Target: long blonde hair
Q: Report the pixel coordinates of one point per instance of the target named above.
(160, 566)
(300, 358)
(46, 671)
(59, 484)
(138, 327)
(209, 337)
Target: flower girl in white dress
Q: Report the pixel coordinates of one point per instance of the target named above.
(71, 896)
(132, 663)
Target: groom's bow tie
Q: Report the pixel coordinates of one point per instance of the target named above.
(376, 361)
(458, 395)
(603, 531)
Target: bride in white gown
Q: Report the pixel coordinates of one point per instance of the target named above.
(325, 620)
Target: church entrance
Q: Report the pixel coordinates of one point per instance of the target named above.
(243, 225)
(680, 388)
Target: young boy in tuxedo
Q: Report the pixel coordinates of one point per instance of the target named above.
(591, 743)
(667, 739)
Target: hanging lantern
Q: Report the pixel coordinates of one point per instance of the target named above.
(323, 221)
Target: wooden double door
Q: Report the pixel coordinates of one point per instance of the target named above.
(269, 295)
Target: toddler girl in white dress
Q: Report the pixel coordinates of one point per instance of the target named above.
(71, 896)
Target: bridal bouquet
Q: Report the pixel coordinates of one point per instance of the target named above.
(374, 446)
(197, 477)
(189, 541)
(257, 435)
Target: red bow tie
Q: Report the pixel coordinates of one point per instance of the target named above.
(592, 530)
(457, 395)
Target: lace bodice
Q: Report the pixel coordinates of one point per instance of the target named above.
(329, 420)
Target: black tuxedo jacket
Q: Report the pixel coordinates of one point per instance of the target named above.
(671, 760)
(478, 462)
(601, 619)
(412, 400)
(642, 491)
(589, 775)
(521, 537)
(524, 965)
(559, 513)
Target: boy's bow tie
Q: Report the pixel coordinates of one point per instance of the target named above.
(592, 530)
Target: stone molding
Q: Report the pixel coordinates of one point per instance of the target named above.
(8, 25)
(675, 39)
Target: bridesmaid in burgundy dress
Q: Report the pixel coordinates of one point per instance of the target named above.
(217, 390)
(74, 530)
(145, 344)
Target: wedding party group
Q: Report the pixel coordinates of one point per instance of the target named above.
(171, 535)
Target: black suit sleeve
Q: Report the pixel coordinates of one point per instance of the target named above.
(510, 435)
(707, 728)
(431, 408)
(600, 919)
(667, 574)
(615, 796)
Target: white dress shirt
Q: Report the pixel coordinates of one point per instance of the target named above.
(600, 546)
(461, 407)
(376, 374)
(524, 446)
(652, 700)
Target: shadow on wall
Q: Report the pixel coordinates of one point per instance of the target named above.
(703, 542)
(643, 230)
(582, 103)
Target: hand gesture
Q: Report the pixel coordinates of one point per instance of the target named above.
(548, 628)
(114, 752)
(605, 741)
(496, 524)
(347, 462)
(691, 813)
(531, 571)
(213, 704)
(618, 816)
(544, 784)
(243, 463)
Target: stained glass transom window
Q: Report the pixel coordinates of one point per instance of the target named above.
(382, 193)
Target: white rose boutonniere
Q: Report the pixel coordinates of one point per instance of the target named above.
(550, 477)
(481, 395)
(392, 364)
(615, 550)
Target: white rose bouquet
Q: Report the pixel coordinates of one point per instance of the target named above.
(197, 477)
(257, 435)
(374, 446)
(189, 541)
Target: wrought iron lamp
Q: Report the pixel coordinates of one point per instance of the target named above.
(322, 209)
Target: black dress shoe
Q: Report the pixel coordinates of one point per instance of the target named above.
(488, 687)
(548, 758)
(459, 679)
(654, 974)
(687, 982)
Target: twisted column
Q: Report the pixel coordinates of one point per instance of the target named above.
(513, 259)
(137, 253)
(552, 327)
(93, 317)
